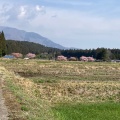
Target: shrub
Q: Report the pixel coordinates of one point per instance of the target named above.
(86, 59)
(72, 59)
(83, 58)
(17, 55)
(30, 55)
(61, 58)
(91, 59)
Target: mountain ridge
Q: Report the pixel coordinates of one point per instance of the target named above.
(22, 35)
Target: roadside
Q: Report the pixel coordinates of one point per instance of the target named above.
(3, 108)
(9, 107)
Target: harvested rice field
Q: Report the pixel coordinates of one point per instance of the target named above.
(51, 90)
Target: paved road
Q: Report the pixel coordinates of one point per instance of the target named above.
(3, 109)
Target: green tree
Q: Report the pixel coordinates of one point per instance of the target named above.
(103, 54)
(2, 44)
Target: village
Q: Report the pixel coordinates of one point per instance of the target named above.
(59, 58)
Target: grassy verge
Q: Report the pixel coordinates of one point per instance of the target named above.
(22, 101)
(100, 111)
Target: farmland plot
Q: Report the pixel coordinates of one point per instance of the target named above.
(44, 86)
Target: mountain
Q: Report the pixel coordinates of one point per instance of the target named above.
(21, 35)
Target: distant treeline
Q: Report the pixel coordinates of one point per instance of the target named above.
(99, 53)
(41, 51)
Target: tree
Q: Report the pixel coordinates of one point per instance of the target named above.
(2, 44)
(17, 55)
(103, 54)
(30, 55)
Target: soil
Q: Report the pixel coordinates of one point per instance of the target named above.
(3, 108)
(14, 108)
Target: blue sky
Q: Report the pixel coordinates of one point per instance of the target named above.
(71, 23)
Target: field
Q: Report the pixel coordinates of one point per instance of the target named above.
(50, 90)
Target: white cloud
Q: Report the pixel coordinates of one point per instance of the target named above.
(72, 27)
(31, 12)
(69, 28)
(23, 12)
(5, 7)
(40, 8)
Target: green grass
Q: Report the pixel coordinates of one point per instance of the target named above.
(100, 111)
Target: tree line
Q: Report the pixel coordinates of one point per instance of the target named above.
(25, 47)
(99, 53)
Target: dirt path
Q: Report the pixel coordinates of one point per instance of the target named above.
(3, 108)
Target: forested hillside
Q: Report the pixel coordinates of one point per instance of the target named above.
(25, 47)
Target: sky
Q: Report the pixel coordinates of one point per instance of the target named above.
(84, 24)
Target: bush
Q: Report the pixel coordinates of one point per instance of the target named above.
(62, 58)
(30, 55)
(17, 55)
(72, 59)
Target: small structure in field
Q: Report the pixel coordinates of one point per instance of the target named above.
(9, 56)
(17, 55)
(26, 58)
(30, 55)
(87, 59)
(115, 61)
(61, 58)
(72, 59)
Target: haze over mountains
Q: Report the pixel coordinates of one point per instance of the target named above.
(21, 35)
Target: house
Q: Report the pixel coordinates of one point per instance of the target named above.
(9, 56)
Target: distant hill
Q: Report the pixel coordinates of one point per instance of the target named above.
(25, 47)
(21, 35)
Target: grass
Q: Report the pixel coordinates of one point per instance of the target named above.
(42, 87)
(30, 106)
(99, 111)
